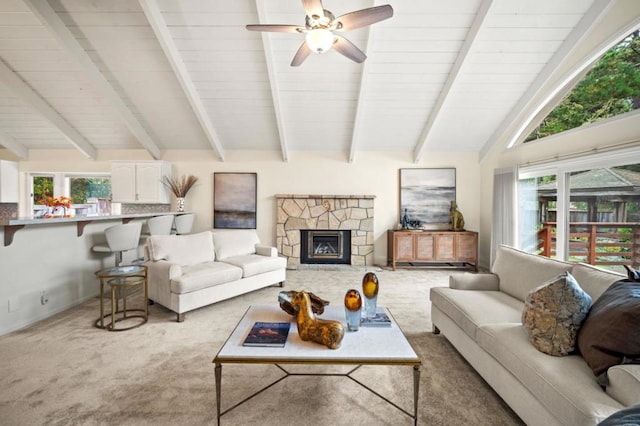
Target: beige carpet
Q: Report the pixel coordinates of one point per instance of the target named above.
(64, 371)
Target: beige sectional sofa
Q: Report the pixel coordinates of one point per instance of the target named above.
(480, 314)
(187, 272)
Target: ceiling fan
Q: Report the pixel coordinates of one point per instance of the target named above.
(320, 25)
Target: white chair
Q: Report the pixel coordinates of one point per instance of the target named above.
(184, 223)
(120, 238)
(160, 225)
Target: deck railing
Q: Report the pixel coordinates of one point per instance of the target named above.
(596, 243)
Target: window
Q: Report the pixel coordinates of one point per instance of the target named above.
(85, 190)
(587, 211)
(610, 88)
(42, 188)
(537, 217)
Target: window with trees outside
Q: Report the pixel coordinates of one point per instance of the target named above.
(610, 88)
(584, 211)
(83, 189)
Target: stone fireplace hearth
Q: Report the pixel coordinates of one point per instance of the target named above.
(325, 212)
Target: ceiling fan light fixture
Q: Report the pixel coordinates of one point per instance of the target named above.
(320, 40)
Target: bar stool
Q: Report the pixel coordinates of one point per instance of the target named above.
(184, 223)
(160, 225)
(120, 238)
(121, 279)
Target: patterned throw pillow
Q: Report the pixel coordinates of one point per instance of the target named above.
(553, 313)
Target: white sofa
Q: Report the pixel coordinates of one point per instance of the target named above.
(480, 314)
(187, 272)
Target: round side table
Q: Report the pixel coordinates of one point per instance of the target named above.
(121, 279)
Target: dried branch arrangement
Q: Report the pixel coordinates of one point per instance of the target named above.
(179, 186)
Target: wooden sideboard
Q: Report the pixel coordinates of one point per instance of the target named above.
(451, 249)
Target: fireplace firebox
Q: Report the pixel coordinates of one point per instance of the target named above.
(325, 246)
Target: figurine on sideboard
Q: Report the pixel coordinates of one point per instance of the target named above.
(408, 223)
(457, 219)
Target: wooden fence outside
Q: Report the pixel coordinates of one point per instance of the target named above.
(597, 243)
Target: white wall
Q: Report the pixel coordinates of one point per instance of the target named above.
(53, 259)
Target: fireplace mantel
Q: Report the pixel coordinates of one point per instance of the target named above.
(309, 211)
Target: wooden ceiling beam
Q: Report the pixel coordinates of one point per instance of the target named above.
(463, 54)
(358, 121)
(16, 148)
(273, 82)
(60, 32)
(22, 90)
(159, 26)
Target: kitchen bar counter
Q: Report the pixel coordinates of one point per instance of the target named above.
(11, 226)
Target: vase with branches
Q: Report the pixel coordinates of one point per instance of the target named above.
(179, 186)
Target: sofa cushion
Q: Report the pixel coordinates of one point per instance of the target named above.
(594, 280)
(521, 272)
(564, 385)
(624, 383)
(235, 242)
(254, 264)
(472, 308)
(610, 334)
(183, 250)
(553, 313)
(203, 275)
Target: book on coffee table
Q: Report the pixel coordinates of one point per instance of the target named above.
(380, 319)
(268, 334)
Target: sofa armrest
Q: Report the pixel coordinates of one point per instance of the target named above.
(164, 269)
(159, 276)
(263, 250)
(624, 383)
(489, 282)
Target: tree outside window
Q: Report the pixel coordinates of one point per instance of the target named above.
(610, 88)
(82, 188)
(42, 188)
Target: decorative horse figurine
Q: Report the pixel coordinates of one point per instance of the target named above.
(325, 332)
(285, 298)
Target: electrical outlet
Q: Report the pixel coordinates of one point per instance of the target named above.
(44, 298)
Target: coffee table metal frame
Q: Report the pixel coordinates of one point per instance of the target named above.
(375, 346)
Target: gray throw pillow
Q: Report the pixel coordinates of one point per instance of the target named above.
(553, 314)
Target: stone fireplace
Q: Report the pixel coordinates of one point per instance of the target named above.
(298, 213)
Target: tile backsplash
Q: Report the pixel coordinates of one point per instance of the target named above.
(145, 208)
(8, 211)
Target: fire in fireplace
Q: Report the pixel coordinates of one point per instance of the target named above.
(325, 246)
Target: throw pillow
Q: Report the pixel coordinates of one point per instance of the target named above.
(610, 334)
(553, 314)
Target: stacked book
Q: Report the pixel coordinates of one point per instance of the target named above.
(380, 319)
(268, 334)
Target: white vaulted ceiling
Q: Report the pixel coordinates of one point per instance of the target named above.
(186, 74)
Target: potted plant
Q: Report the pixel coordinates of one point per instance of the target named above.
(179, 187)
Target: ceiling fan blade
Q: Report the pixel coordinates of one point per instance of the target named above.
(362, 18)
(313, 8)
(348, 49)
(276, 28)
(303, 53)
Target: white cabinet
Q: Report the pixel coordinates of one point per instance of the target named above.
(139, 182)
(9, 186)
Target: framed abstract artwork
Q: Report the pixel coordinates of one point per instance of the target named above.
(425, 196)
(235, 200)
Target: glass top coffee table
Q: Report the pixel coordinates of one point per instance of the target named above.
(367, 346)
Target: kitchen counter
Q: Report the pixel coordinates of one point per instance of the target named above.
(11, 226)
